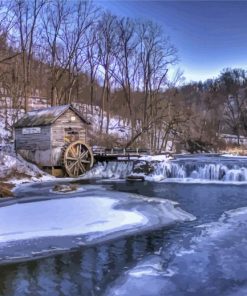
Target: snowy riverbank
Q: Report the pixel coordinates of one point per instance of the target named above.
(51, 223)
(159, 168)
(14, 169)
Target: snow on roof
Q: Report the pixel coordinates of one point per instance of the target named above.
(45, 116)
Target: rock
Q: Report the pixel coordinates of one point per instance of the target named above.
(5, 190)
(65, 187)
(197, 146)
(143, 167)
(135, 178)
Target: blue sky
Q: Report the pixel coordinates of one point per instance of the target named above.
(209, 35)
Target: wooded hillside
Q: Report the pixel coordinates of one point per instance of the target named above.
(77, 53)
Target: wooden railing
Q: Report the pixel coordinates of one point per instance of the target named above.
(120, 151)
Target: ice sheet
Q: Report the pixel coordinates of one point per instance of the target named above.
(53, 221)
(64, 217)
(213, 263)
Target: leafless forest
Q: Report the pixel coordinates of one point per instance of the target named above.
(75, 52)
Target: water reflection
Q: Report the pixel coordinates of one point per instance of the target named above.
(83, 272)
(88, 271)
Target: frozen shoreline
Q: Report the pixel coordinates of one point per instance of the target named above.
(53, 222)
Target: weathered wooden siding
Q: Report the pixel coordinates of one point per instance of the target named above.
(40, 157)
(64, 121)
(33, 142)
(58, 134)
(45, 148)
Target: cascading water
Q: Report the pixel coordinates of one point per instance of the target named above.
(111, 169)
(194, 167)
(218, 168)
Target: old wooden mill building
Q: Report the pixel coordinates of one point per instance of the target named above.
(55, 139)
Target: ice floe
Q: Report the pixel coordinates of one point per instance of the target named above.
(64, 217)
(83, 217)
(214, 263)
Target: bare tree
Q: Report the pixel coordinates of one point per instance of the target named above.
(76, 44)
(107, 41)
(232, 87)
(156, 56)
(64, 43)
(92, 63)
(26, 18)
(127, 63)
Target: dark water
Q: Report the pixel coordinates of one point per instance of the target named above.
(89, 271)
(206, 201)
(83, 272)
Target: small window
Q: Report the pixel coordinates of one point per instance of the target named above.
(71, 135)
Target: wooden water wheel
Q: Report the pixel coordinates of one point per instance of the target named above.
(78, 158)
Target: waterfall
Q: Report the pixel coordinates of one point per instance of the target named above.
(205, 169)
(111, 169)
(194, 167)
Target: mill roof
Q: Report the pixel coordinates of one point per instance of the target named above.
(46, 116)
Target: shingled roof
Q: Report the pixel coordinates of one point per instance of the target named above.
(46, 116)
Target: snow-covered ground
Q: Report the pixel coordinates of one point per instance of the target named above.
(49, 222)
(118, 126)
(83, 216)
(159, 158)
(14, 169)
(7, 119)
(4, 133)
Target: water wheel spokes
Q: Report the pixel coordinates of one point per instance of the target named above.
(78, 158)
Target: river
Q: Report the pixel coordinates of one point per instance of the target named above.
(207, 256)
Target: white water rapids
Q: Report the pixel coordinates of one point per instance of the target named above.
(228, 169)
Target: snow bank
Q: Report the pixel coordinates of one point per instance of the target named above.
(151, 158)
(15, 166)
(7, 118)
(64, 217)
(117, 125)
(4, 134)
(80, 218)
(233, 155)
(12, 165)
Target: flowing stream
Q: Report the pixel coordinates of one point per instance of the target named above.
(204, 167)
(207, 256)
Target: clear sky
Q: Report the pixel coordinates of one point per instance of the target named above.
(209, 35)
